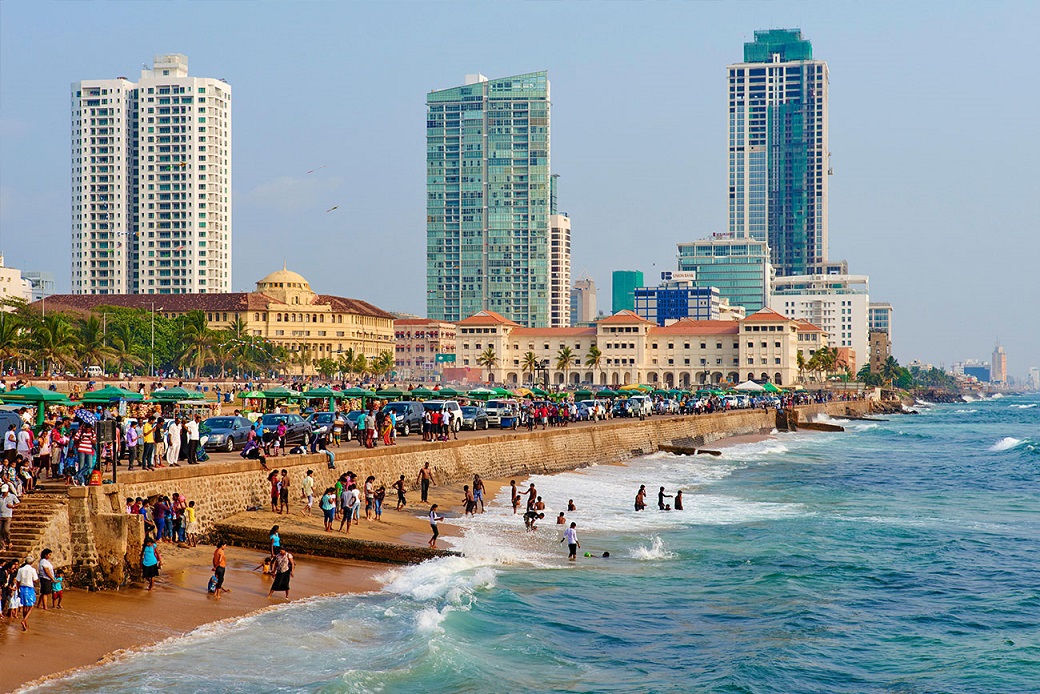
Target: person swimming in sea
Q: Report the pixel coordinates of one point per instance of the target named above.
(678, 500)
(641, 498)
(661, 496)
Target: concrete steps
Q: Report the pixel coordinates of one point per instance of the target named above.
(31, 517)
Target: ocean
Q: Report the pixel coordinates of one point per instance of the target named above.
(900, 556)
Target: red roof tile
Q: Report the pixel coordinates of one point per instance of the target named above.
(626, 317)
(182, 303)
(487, 318)
(553, 332)
(688, 326)
(767, 314)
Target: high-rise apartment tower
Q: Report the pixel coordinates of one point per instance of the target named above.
(778, 151)
(151, 183)
(489, 196)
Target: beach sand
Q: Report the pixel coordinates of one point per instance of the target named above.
(94, 627)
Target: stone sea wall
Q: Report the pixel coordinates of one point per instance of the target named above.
(223, 489)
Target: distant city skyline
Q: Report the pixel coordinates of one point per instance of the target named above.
(927, 195)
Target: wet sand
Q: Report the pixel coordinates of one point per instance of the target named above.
(94, 627)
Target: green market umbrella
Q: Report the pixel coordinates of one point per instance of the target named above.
(770, 388)
(31, 395)
(503, 393)
(280, 393)
(110, 394)
(251, 395)
(661, 393)
(177, 394)
(538, 391)
(447, 393)
(421, 392)
(356, 392)
(390, 394)
(482, 393)
(582, 394)
(321, 393)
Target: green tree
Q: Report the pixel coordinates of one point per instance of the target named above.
(800, 360)
(594, 360)
(196, 340)
(126, 343)
(53, 343)
(11, 338)
(91, 347)
(564, 358)
(361, 366)
(383, 363)
(326, 367)
(488, 359)
(529, 362)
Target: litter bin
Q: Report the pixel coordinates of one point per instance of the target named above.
(508, 421)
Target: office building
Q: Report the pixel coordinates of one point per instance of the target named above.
(880, 349)
(738, 266)
(1033, 380)
(763, 347)
(583, 303)
(42, 283)
(998, 366)
(677, 298)
(980, 372)
(489, 197)
(623, 284)
(559, 270)
(283, 310)
(778, 150)
(836, 303)
(879, 317)
(151, 183)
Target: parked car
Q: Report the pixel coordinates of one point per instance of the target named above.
(409, 415)
(352, 418)
(323, 423)
(621, 408)
(495, 409)
(591, 410)
(474, 418)
(298, 429)
(225, 433)
(641, 405)
(450, 405)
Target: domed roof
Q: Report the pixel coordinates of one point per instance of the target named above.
(284, 278)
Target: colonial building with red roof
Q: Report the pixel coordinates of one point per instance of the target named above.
(283, 309)
(630, 349)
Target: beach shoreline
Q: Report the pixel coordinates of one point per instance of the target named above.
(108, 625)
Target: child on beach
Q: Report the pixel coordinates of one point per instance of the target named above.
(59, 586)
(434, 519)
(399, 486)
(328, 507)
(380, 495)
(514, 495)
(276, 540)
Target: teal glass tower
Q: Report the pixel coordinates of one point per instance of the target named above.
(778, 150)
(623, 284)
(488, 199)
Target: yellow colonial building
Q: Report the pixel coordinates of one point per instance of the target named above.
(283, 309)
(762, 347)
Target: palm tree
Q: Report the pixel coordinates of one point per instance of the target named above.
(594, 360)
(196, 340)
(10, 338)
(890, 370)
(122, 338)
(563, 361)
(92, 348)
(800, 360)
(361, 366)
(529, 362)
(488, 359)
(347, 361)
(383, 363)
(301, 358)
(53, 342)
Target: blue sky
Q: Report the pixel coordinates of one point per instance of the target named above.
(934, 139)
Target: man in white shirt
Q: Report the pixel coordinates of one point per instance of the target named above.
(192, 427)
(24, 447)
(570, 535)
(26, 578)
(8, 501)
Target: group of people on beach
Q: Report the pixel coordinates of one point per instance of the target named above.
(18, 580)
(661, 496)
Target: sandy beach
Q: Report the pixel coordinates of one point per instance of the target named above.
(94, 627)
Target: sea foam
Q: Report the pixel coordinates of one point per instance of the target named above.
(1005, 444)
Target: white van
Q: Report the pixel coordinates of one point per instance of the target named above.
(95, 372)
(496, 408)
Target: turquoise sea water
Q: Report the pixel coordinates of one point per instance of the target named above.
(901, 556)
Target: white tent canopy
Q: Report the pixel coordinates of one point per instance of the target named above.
(750, 386)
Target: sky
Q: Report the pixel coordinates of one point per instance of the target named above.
(933, 133)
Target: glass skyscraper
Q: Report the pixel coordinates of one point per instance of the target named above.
(488, 199)
(778, 150)
(738, 266)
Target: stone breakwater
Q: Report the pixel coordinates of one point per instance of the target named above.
(97, 518)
